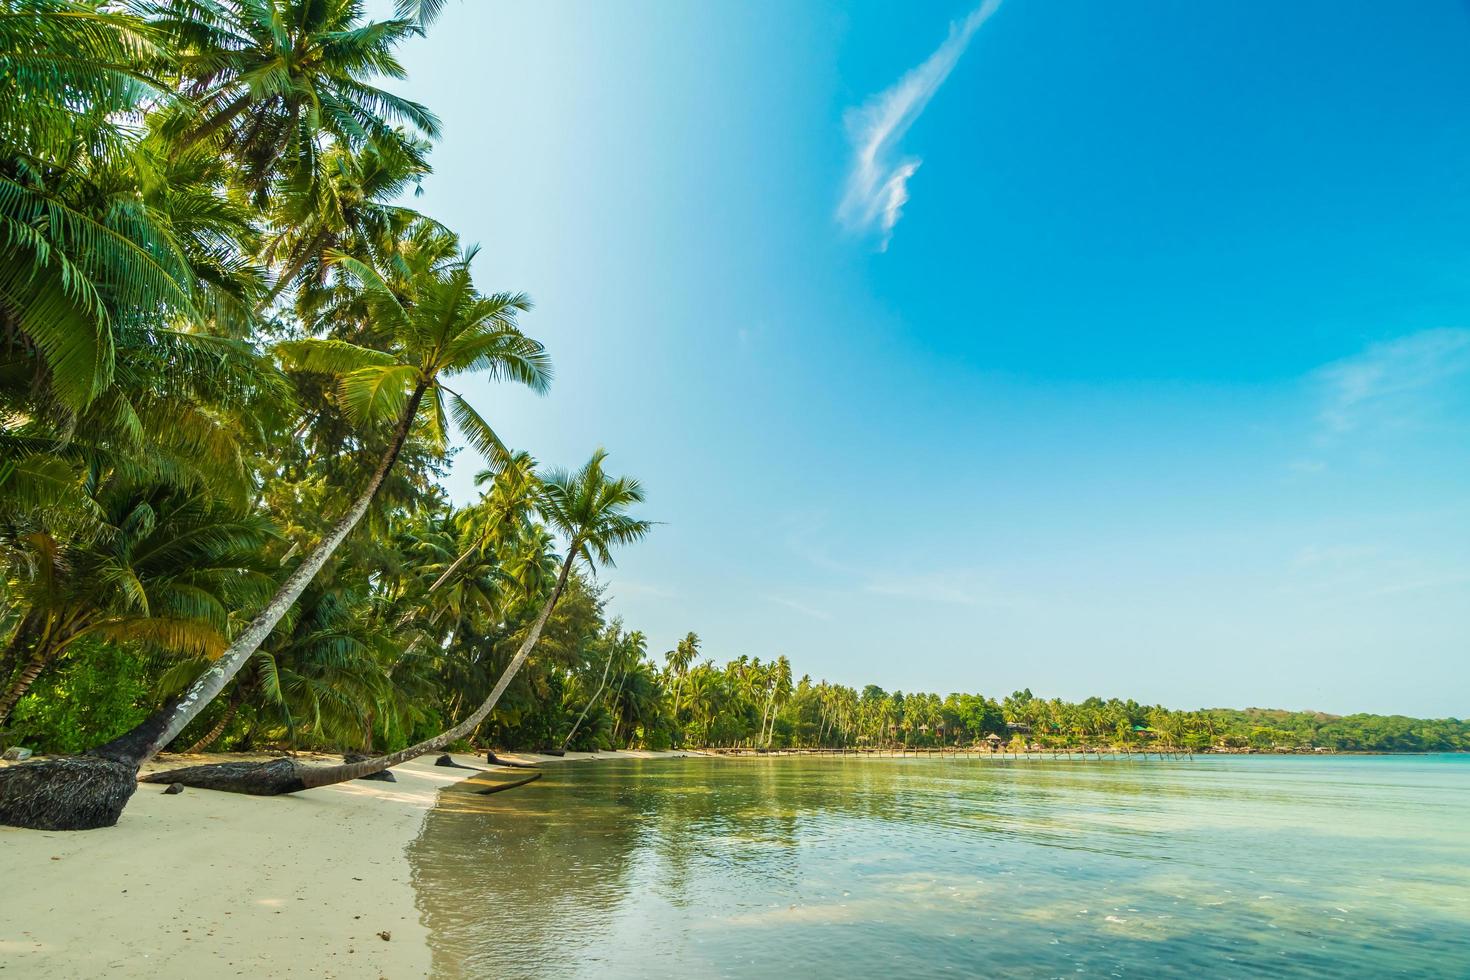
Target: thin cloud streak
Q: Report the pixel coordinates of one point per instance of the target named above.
(877, 188)
(1392, 383)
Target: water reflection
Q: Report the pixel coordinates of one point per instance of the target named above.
(1241, 866)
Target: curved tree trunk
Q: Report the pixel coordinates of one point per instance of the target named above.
(24, 680)
(618, 717)
(285, 776)
(86, 793)
(678, 685)
(291, 272)
(21, 640)
(588, 707)
(218, 729)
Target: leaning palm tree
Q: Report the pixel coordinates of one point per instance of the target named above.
(624, 649)
(589, 508)
(441, 329)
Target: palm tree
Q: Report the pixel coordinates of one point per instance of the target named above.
(616, 649)
(163, 567)
(266, 79)
(590, 509)
(685, 652)
(703, 697)
(635, 647)
(349, 210)
(780, 689)
(70, 68)
(442, 329)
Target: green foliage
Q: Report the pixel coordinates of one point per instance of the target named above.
(100, 691)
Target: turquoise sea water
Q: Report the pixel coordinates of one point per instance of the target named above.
(1223, 866)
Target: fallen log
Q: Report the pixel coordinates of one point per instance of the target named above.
(386, 776)
(495, 760)
(502, 787)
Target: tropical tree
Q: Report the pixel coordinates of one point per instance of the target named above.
(678, 661)
(160, 566)
(590, 509)
(440, 327)
(617, 649)
(266, 80)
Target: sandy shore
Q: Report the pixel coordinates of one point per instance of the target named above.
(215, 885)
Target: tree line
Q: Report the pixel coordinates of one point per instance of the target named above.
(689, 701)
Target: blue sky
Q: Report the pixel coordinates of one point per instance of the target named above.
(1116, 349)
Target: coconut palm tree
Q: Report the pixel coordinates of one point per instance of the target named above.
(635, 647)
(780, 691)
(70, 68)
(350, 209)
(162, 567)
(590, 510)
(616, 649)
(679, 659)
(443, 328)
(265, 80)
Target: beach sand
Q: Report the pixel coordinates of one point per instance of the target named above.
(216, 885)
(208, 884)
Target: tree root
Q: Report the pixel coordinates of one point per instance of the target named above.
(79, 792)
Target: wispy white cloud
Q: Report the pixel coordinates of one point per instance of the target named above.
(1393, 383)
(877, 187)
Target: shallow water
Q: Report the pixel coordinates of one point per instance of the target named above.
(1224, 866)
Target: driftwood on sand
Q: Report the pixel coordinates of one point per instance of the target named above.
(502, 787)
(495, 760)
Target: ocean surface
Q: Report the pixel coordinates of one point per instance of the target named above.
(1230, 866)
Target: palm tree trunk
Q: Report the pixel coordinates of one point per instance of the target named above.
(284, 279)
(618, 718)
(21, 640)
(218, 729)
(588, 707)
(23, 681)
(286, 776)
(145, 741)
(224, 118)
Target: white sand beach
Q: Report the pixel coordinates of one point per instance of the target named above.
(207, 884)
